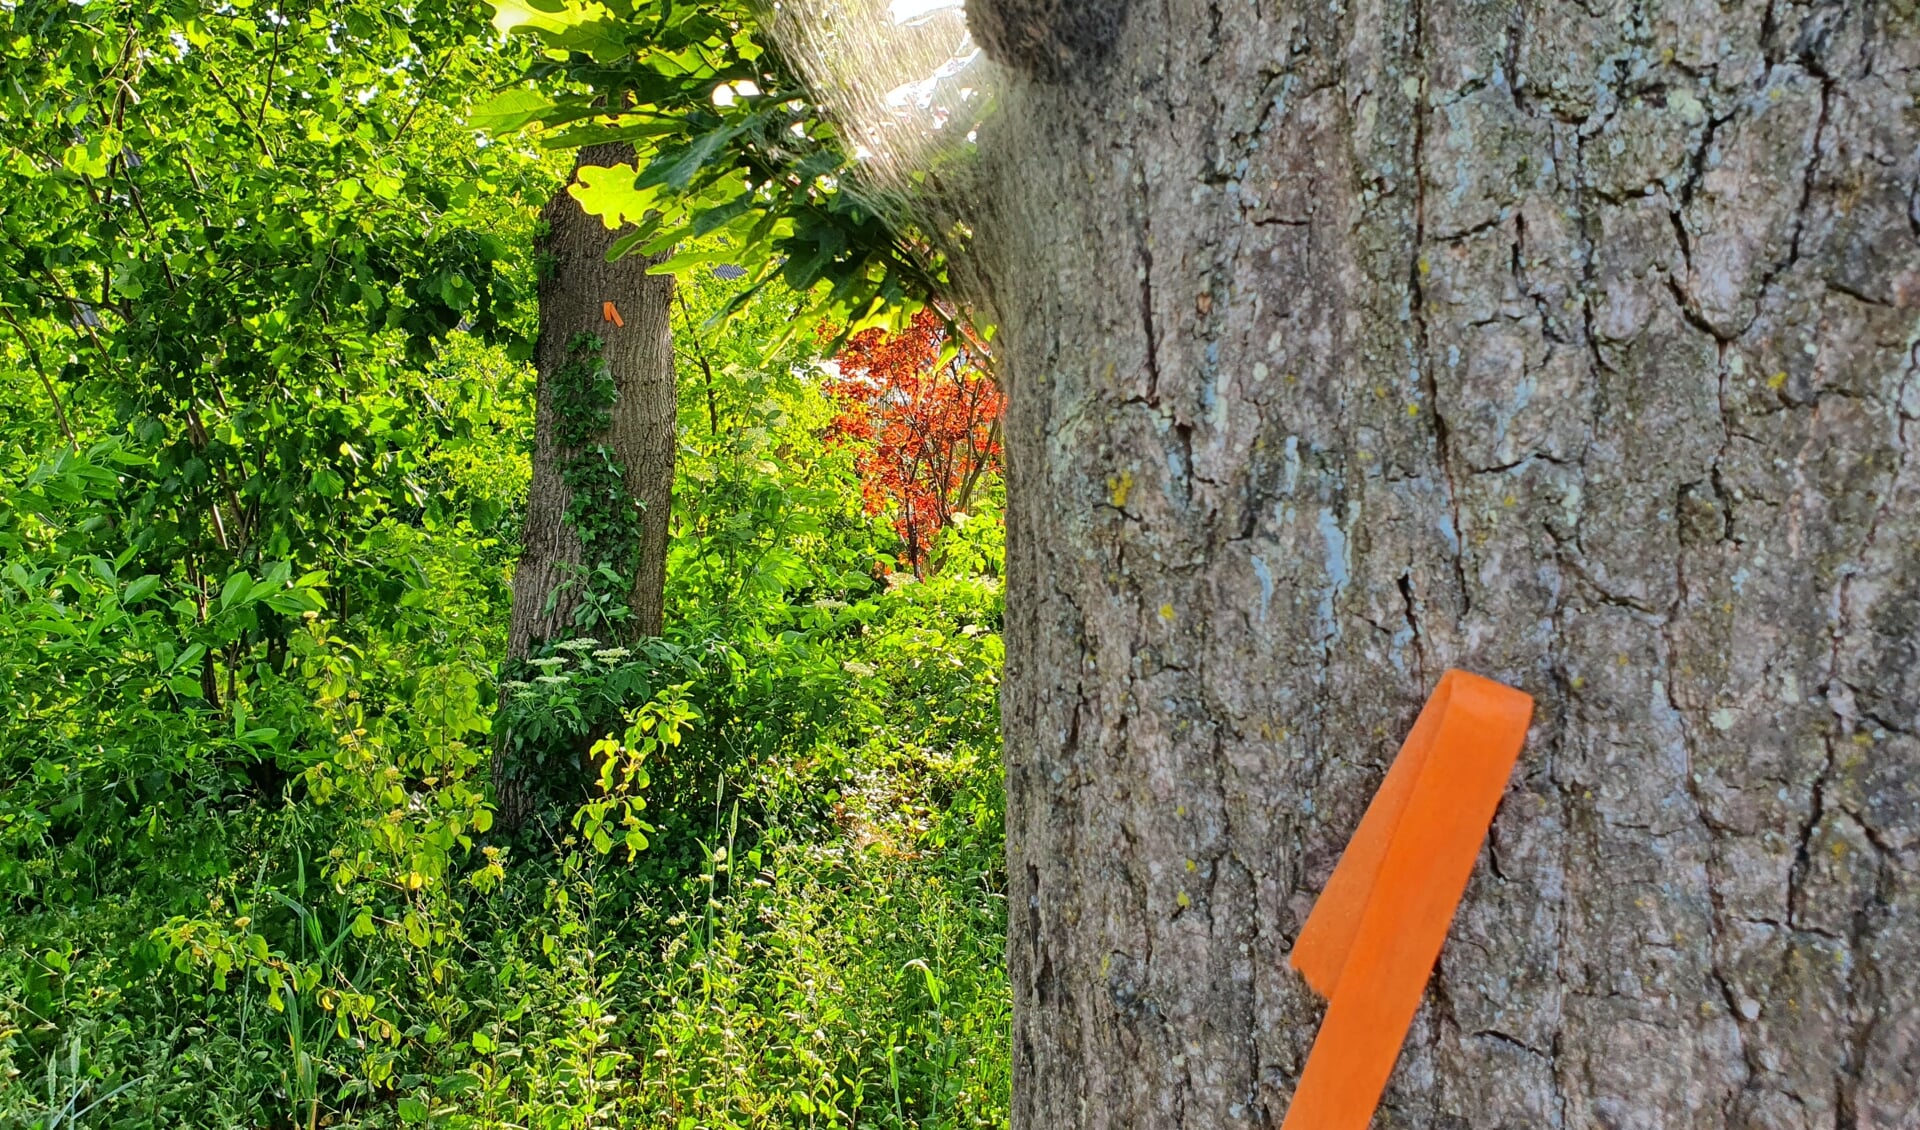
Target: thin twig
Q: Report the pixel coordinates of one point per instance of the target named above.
(258, 137)
(33, 355)
(686, 315)
(273, 64)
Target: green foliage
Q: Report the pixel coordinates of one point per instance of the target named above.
(556, 705)
(599, 508)
(735, 160)
(79, 630)
(238, 240)
(284, 904)
(652, 728)
(264, 423)
(584, 393)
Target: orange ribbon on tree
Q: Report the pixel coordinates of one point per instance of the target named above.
(1377, 928)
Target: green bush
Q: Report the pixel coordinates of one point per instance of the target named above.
(256, 884)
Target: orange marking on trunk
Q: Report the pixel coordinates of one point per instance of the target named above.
(1377, 928)
(611, 313)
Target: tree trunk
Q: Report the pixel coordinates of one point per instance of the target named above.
(604, 443)
(1571, 344)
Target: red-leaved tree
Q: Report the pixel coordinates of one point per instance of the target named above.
(927, 431)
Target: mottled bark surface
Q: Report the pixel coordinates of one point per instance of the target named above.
(1574, 344)
(575, 282)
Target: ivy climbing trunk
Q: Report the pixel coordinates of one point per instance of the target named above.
(1570, 343)
(595, 538)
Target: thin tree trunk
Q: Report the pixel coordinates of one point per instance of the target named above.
(1570, 344)
(579, 334)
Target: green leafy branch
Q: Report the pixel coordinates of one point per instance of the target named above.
(728, 144)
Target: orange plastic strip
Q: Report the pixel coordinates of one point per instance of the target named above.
(1377, 928)
(611, 313)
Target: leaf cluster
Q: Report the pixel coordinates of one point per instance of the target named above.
(731, 152)
(236, 236)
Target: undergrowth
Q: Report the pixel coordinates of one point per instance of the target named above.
(261, 888)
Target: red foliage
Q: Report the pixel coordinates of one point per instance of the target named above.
(927, 432)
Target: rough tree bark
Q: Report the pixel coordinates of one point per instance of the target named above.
(1571, 343)
(576, 281)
